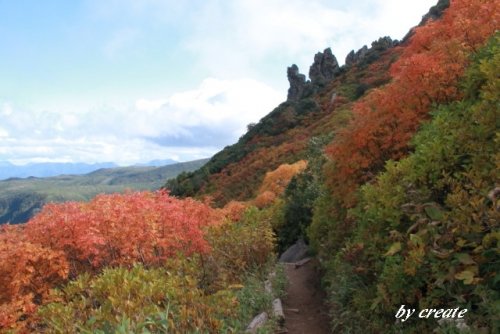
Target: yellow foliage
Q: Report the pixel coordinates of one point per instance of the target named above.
(276, 181)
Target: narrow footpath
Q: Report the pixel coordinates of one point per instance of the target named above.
(305, 312)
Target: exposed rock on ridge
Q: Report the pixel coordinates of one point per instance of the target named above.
(297, 83)
(354, 57)
(370, 54)
(324, 68)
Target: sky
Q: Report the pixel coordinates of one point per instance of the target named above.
(129, 81)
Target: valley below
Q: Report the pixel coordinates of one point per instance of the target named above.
(21, 198)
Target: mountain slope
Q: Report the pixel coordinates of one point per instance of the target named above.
(401, 204)
(319, 107)
(283, 135)
(21, 198)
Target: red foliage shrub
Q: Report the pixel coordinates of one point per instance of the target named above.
(426, 73)
(120, 229)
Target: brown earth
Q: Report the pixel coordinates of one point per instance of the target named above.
(305, 312)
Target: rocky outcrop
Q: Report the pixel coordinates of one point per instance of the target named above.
(369, 55)
(383, 43)
(297, 83)
(354, 57)
(435, 12)
(324, 68)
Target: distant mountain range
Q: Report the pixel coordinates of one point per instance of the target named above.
(48, 169)
(21, 198)
(158, 163)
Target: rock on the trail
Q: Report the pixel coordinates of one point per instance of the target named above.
(295, 253)
(257, 322)
(278, 311)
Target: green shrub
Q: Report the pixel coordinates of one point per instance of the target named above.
(425, 234)
(239, 248)
(137, 300)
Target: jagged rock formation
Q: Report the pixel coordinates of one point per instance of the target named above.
(297, 83)
(383, 43)
(354, 57)
(370, 54)
(435, 12)
(324, 68)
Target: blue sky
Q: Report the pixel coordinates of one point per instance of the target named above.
(135, 80)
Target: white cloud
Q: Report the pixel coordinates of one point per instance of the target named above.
(241, 38)
(237, 39)
(3, 133)
(185, 125)
(6, 109)
(225, 105)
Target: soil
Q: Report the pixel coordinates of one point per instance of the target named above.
(305, 312)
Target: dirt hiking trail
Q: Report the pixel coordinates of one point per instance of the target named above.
(305, 312)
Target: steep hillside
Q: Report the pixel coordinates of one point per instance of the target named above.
(400, 195)
(318, 107)
(20, 199)
(314, 108)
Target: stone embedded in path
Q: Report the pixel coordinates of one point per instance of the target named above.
(302, 262)
(296, 252)
(278, 311)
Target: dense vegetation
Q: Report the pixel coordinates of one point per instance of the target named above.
(397, 207)
(140, 261)
(425, 233)
(390, 171)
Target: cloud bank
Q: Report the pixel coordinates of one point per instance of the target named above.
(186, 125)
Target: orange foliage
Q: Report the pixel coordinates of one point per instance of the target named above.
(27, 272)
(68, 238)
(277, 180)
(264, 199)
(427, 72)
(120, 229)
(234, 210)
(238, 181)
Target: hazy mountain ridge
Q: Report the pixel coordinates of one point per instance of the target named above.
(48, 169)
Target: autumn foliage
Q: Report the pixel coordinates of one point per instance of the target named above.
(27, 271)
(426, 73)
(422, 233)
(425, 232)
(110, 230)
(276, 181)
(121, 229)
